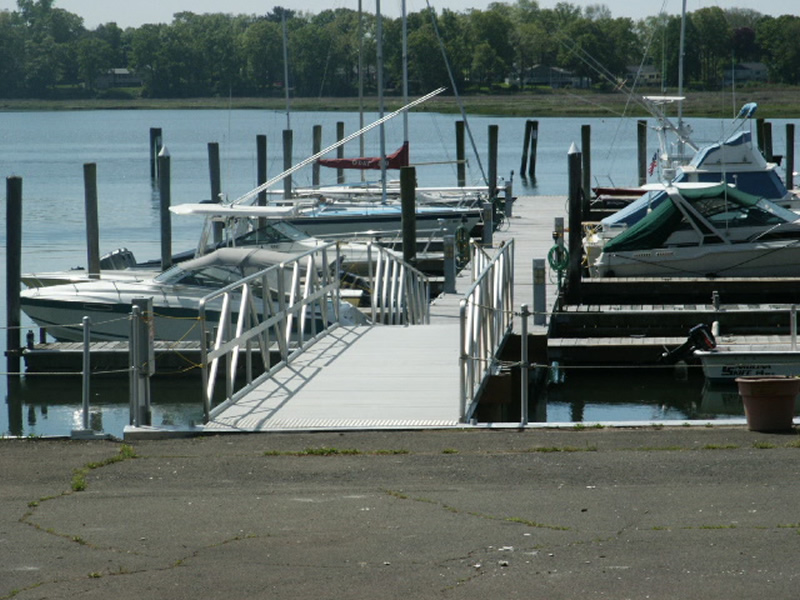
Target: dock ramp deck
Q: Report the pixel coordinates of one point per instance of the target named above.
(357, 377)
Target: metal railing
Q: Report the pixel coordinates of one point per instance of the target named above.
(486, 318)
(290, 305)
(399, 293)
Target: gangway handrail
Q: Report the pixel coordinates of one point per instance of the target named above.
(292, 295)
(486, 317)
(399, 293)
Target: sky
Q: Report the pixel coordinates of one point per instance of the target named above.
(134, 13)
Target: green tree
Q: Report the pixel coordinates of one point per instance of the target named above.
(780, 40)
(713, 43)
(95, 57)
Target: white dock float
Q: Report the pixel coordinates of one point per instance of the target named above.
(390, 377)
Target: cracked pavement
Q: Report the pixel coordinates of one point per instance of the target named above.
(618, 513)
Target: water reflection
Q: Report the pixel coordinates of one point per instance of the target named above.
(635, 394)
(42, 406)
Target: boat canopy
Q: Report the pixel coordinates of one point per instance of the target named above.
(734, 161)
(653, 230)
(396, 160)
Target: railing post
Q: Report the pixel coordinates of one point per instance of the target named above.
(524, 366)
(87, 366)
(487, 211)
(539, 292)
(450, 264)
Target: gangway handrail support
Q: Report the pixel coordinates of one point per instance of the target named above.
(399, 293)
(312, 281)
(486, 318)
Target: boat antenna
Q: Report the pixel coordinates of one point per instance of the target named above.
(455, 92)
(681, 44)
(379, 36)
(361, 80)
(286, 68)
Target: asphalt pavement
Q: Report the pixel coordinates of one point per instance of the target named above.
(652, 512)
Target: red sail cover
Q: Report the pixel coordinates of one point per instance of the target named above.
(393, 161)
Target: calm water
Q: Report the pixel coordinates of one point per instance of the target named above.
(48, 151)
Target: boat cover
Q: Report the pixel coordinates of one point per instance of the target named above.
(654, 229)
(395, 160)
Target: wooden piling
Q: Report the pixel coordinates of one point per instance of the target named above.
(760, 135)
(641, 146)
(408, 215)
(526, 142)
(156, 141)
(788, 161)
(164, 192)
(13, 273)
(768, 154)
(586, 153)
(461, 169)
(288, 139)
(573, 292)
(261, 167)
(339, 150)
(493, 134)
(534, 149)
(92, 224)
(215, 179)
(316, 147)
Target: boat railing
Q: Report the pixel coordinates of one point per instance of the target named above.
(285, 307)
(486, 317)
(399, 293)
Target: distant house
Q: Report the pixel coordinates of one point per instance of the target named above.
(117, 78)
(555, 77)
(745, 72)
(644, 76)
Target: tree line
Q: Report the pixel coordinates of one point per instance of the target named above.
(47, 52)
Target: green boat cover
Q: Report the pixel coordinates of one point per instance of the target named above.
(654, 229)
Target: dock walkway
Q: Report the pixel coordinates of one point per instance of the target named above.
(389, 376)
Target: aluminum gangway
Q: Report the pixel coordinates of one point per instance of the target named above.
(404, 369)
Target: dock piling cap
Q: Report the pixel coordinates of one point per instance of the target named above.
(164, 152)
(573, 149)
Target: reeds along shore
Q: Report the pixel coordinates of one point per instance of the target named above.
(781, 103)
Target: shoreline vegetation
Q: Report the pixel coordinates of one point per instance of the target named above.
(772, 103)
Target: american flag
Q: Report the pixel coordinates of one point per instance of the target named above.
(653, 162)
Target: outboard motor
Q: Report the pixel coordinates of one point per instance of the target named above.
(700, 338)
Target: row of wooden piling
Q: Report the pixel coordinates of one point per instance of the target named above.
(763, 135)
(161, 180)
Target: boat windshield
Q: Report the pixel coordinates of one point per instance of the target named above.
(722, 212)
(212, 276)
(275, 232)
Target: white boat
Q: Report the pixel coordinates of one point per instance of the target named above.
(241, 228)
(726, 362)
(705, 231)
(176, 294)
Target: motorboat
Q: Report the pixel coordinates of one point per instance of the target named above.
(736, 161)
(176, 293)
(704, 230)
(727, 361)
(240, 227)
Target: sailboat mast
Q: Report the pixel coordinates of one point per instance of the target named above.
(286, 69)
(360, 77)
(379, 35)
(680, 79)
(405, 70)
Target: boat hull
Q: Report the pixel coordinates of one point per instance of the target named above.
(725, 363)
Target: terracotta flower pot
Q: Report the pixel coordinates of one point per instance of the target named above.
(768, 401)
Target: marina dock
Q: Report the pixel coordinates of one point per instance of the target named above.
(391, 377)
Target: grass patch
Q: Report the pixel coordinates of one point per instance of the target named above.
(326, 451)
(720, 447)
(550, 449)
(449, 451)
(764, 445)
